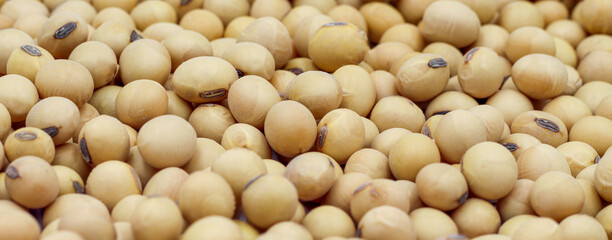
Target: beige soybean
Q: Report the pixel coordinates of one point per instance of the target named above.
(592, 66)
(65, 78)
(104, 99)
(159, 31)
(490, 170)
(69, 155)
(428, 73)
(11, 40)
(124, 210)
(340, 133)
(529, 40)
(242, 135)
(406, 33)
(157, 217)
(273, 35)
(183, 45)
(204, 79)
(140, 101)
(369, 161)
(518, 14)
(441, 186)
(595, 16)
(207, 151)
(509, 227)
(116, 34)
(112, 13)
(178, 106)
(325, 221)
(546, 127)
(379, 17)
(319, 91)
(300, 65)
(592, 201)
(251, 59)
(287, 229)
(57, 116)
(150, 12)
(517, 202)
(306, 29)
(211, 121)
(111, 181)
(145, 59)
(385, 114)
(388, 222)
(383, 55)
(517, 143)
(290, 128)
(556, 195)
(312, 175)
(492, 119)
(65, 203)
(511, 103)
(269, 199)
(378, 192)
(539, 76)
(589, 227)
(205, 193)
(99, 59)
(494, 37)
(480, 74)
(250, 98)
(449, 101)
(29, 141)
(212, 227)
(453, 141)
(27, 60)
(451, 22)
(476, 217)
(165, 183)
(337, 44)
(604, 108)
(340, 193)
(586, 128)
(19, 225)
(431, 223)
(31, 182)
(410, 154)
(358, 89)
(569, 109)
(296, 15)
(167, 141)
(237, 166)
(384, 83)
(540, 159)
(102, 139)
(69, 180)
(62, 33)
(592, 93)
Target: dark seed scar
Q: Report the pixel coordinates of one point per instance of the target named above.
(26, 136)
(52, 131)
(322, 135)
(31, 50)
(12, 172)
(213, 94)
(510, 146)
(547, 124)
(437, 63)
(85, 151)
(65, 30)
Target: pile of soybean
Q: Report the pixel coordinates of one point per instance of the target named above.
(305, 119)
